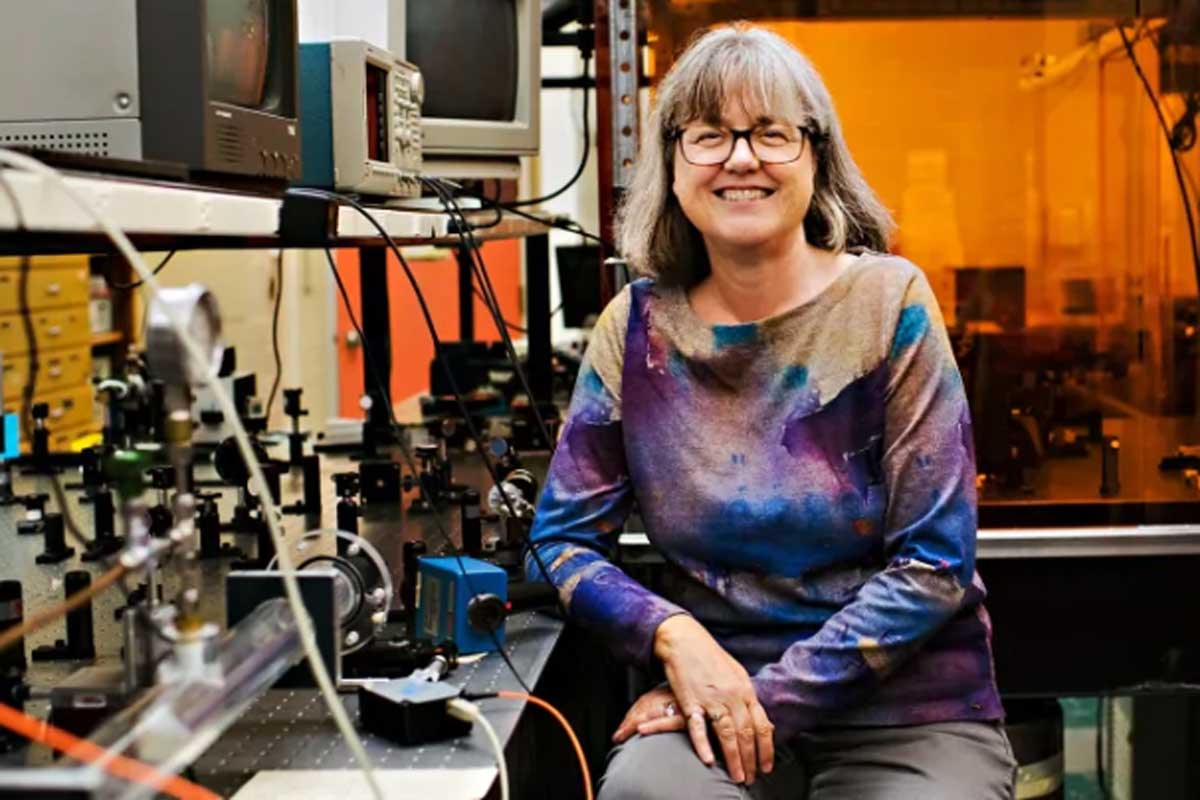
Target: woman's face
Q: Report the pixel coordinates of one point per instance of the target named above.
(744, 203)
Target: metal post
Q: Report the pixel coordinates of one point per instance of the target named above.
(466, 302)
(376, 325)
(537, 291)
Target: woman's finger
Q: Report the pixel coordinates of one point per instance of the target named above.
(743, 726)
(661, 725)
(726, 730)
(626, 727)
(698, 732)
(765, 734)
(642, 711)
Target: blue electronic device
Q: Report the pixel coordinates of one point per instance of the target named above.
(316, 114)
(10, 438)
(444, 595)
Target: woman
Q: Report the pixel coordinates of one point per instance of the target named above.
(782, 403)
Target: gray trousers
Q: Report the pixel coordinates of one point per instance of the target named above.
(939, 761)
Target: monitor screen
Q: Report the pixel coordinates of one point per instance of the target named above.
(579, 283)
(468, 54)
(239, 40)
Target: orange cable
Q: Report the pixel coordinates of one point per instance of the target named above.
(587, 775)
(44, 618)
(122, 767)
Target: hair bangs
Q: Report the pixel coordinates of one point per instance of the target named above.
(745, 75)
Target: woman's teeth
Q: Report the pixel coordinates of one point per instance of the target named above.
(743, 194)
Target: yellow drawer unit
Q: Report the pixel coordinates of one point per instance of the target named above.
(53, 328)
(57, 369)
(70, 409)
(48, 288)
(37, 263)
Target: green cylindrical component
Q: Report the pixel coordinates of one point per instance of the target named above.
(125, 468)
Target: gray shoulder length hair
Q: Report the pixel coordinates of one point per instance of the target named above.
(774, 80)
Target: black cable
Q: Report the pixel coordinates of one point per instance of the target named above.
(135, 284)
(510, 325)
(467, 239)
(376, 375)
(1187, 204)
(559, 222)
(587, 147)
(496, 220)
(568, 225)
(410, 463)
(30, 387)
(440, 358)
(460, 402)
(275, 335)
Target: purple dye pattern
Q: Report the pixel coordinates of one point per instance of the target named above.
(847, 433)
(826, 542)
(584, 502)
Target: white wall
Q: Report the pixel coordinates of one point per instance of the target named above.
(322, 20)
(561, 150)
(243, 282)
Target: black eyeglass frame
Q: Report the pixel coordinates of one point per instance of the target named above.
(806, 133)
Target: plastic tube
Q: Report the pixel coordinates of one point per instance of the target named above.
(175, 723)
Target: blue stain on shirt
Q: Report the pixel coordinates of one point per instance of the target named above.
(676, 365)
(734, 335)
(914, 321)
(592, 400)
(795, 377)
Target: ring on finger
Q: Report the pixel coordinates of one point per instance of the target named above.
(669, 709)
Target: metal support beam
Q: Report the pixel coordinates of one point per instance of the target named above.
(466, 302)
(537, 292)
(376, 325)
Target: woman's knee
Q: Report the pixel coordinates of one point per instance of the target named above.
(663, 767)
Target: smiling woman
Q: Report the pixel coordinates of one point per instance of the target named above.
(768, 84)
(780, 398)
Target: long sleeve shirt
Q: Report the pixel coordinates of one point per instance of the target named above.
(809, 480)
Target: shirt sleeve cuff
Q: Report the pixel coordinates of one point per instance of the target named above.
(640, 647)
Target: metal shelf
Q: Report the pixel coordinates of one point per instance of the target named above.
(37, 217)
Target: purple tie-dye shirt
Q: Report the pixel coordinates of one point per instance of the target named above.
(809, 480)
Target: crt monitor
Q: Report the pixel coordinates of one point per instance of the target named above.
(481, 63)
(238, 38)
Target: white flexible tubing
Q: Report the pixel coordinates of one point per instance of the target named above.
(464, 709)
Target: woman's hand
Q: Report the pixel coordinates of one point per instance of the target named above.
(658, 704)
(711, 686)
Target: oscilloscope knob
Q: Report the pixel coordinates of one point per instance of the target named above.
(417, 87)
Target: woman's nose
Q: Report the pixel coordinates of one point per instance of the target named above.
(742, 158)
